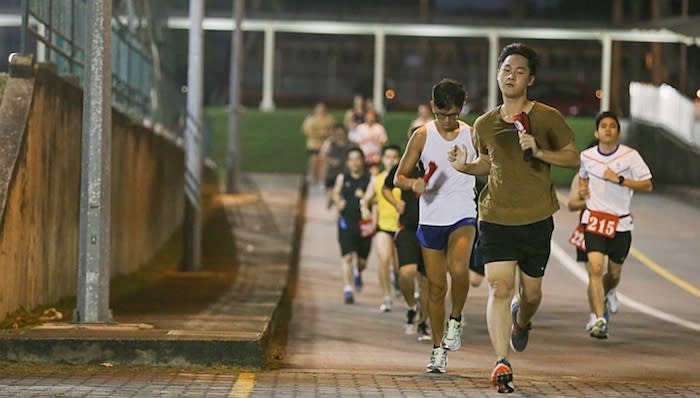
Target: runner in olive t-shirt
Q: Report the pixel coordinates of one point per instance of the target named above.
(516, 207)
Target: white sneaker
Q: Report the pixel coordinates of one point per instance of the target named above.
(599, 329)
(612, 302)
(438, 361)
(409, 328)
(386, 306)
(591, 322)
(452, 341)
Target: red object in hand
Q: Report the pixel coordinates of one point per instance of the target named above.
(432, 168)
(522, 123)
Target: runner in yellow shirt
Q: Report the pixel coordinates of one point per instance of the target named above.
(387, 222)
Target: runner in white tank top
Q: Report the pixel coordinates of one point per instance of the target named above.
(449, 194)
(447, 214)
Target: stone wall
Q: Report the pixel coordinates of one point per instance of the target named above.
(40, 138)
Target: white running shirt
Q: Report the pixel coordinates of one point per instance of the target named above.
(606, 196)
(449, 195)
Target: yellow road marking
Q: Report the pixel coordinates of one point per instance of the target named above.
(651, 264)
(243, 386)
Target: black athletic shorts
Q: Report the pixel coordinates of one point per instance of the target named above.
(385, 231)
(529, 244)
(616, 248)
(352, 242)
(581, 256)
(408, 247)
(476, 262)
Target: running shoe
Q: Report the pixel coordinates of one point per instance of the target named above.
(424, 332)
(438, 361)
(518, 335)
(349, 299)
(502, 377)
(386, 305)
(410, 326)
(452, 340)
(358, 283)
(600, 329)
(591, 321)
(611, 301)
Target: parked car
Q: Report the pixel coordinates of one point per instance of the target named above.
(570, 98)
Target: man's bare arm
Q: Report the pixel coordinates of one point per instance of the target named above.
(480, 167)
(567, 157)
(408, 163)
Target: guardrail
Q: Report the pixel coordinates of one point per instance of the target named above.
(55, 31)
(665, 107)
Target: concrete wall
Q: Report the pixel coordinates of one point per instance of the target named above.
(672, 162)
(39, 220)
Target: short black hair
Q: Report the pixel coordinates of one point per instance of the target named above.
(603, 115)
(391, 147)
(339, 125)
(520, 49)
(448, 93)
(354, 149)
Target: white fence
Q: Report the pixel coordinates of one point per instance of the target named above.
(665, 107)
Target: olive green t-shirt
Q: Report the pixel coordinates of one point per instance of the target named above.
(519, 192)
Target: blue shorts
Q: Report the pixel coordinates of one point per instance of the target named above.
(436, 236)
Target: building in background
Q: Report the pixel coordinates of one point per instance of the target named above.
(310, 67)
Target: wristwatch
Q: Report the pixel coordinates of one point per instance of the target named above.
(621, 180)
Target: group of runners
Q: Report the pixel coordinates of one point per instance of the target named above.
(426, 206)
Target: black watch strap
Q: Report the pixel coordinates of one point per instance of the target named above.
(621, 180)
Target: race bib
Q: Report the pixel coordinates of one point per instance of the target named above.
(367, 228)
(603, 224)
(578, 238)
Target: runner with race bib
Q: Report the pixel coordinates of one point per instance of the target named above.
(610, 173)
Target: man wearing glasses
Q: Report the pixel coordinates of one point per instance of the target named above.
(447, 213)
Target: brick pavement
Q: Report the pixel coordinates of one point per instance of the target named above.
(353, 351)
(317, 383)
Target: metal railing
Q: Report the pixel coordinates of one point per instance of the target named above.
(665, 107)
(54, 30)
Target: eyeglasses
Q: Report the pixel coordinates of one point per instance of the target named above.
(447, 116)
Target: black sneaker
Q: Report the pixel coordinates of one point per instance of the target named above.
(349, 299)
(502, 377)
(424, 332)
(518, 335)
(411, 315)
(410, 326)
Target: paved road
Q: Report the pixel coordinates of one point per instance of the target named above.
(642, 352)
(354, 351)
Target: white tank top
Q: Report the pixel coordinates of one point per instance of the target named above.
(449, 195)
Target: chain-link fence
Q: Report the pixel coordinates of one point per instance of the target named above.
(54, 30)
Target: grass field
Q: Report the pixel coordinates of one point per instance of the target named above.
(273, 142)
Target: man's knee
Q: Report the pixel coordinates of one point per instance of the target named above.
(500, 288)
(361, 264)
(437, 291)
(475, 279)
(614, 272)
(531, 296)
(595, 269)
(408, 272)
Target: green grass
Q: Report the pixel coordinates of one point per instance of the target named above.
(272, 142)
